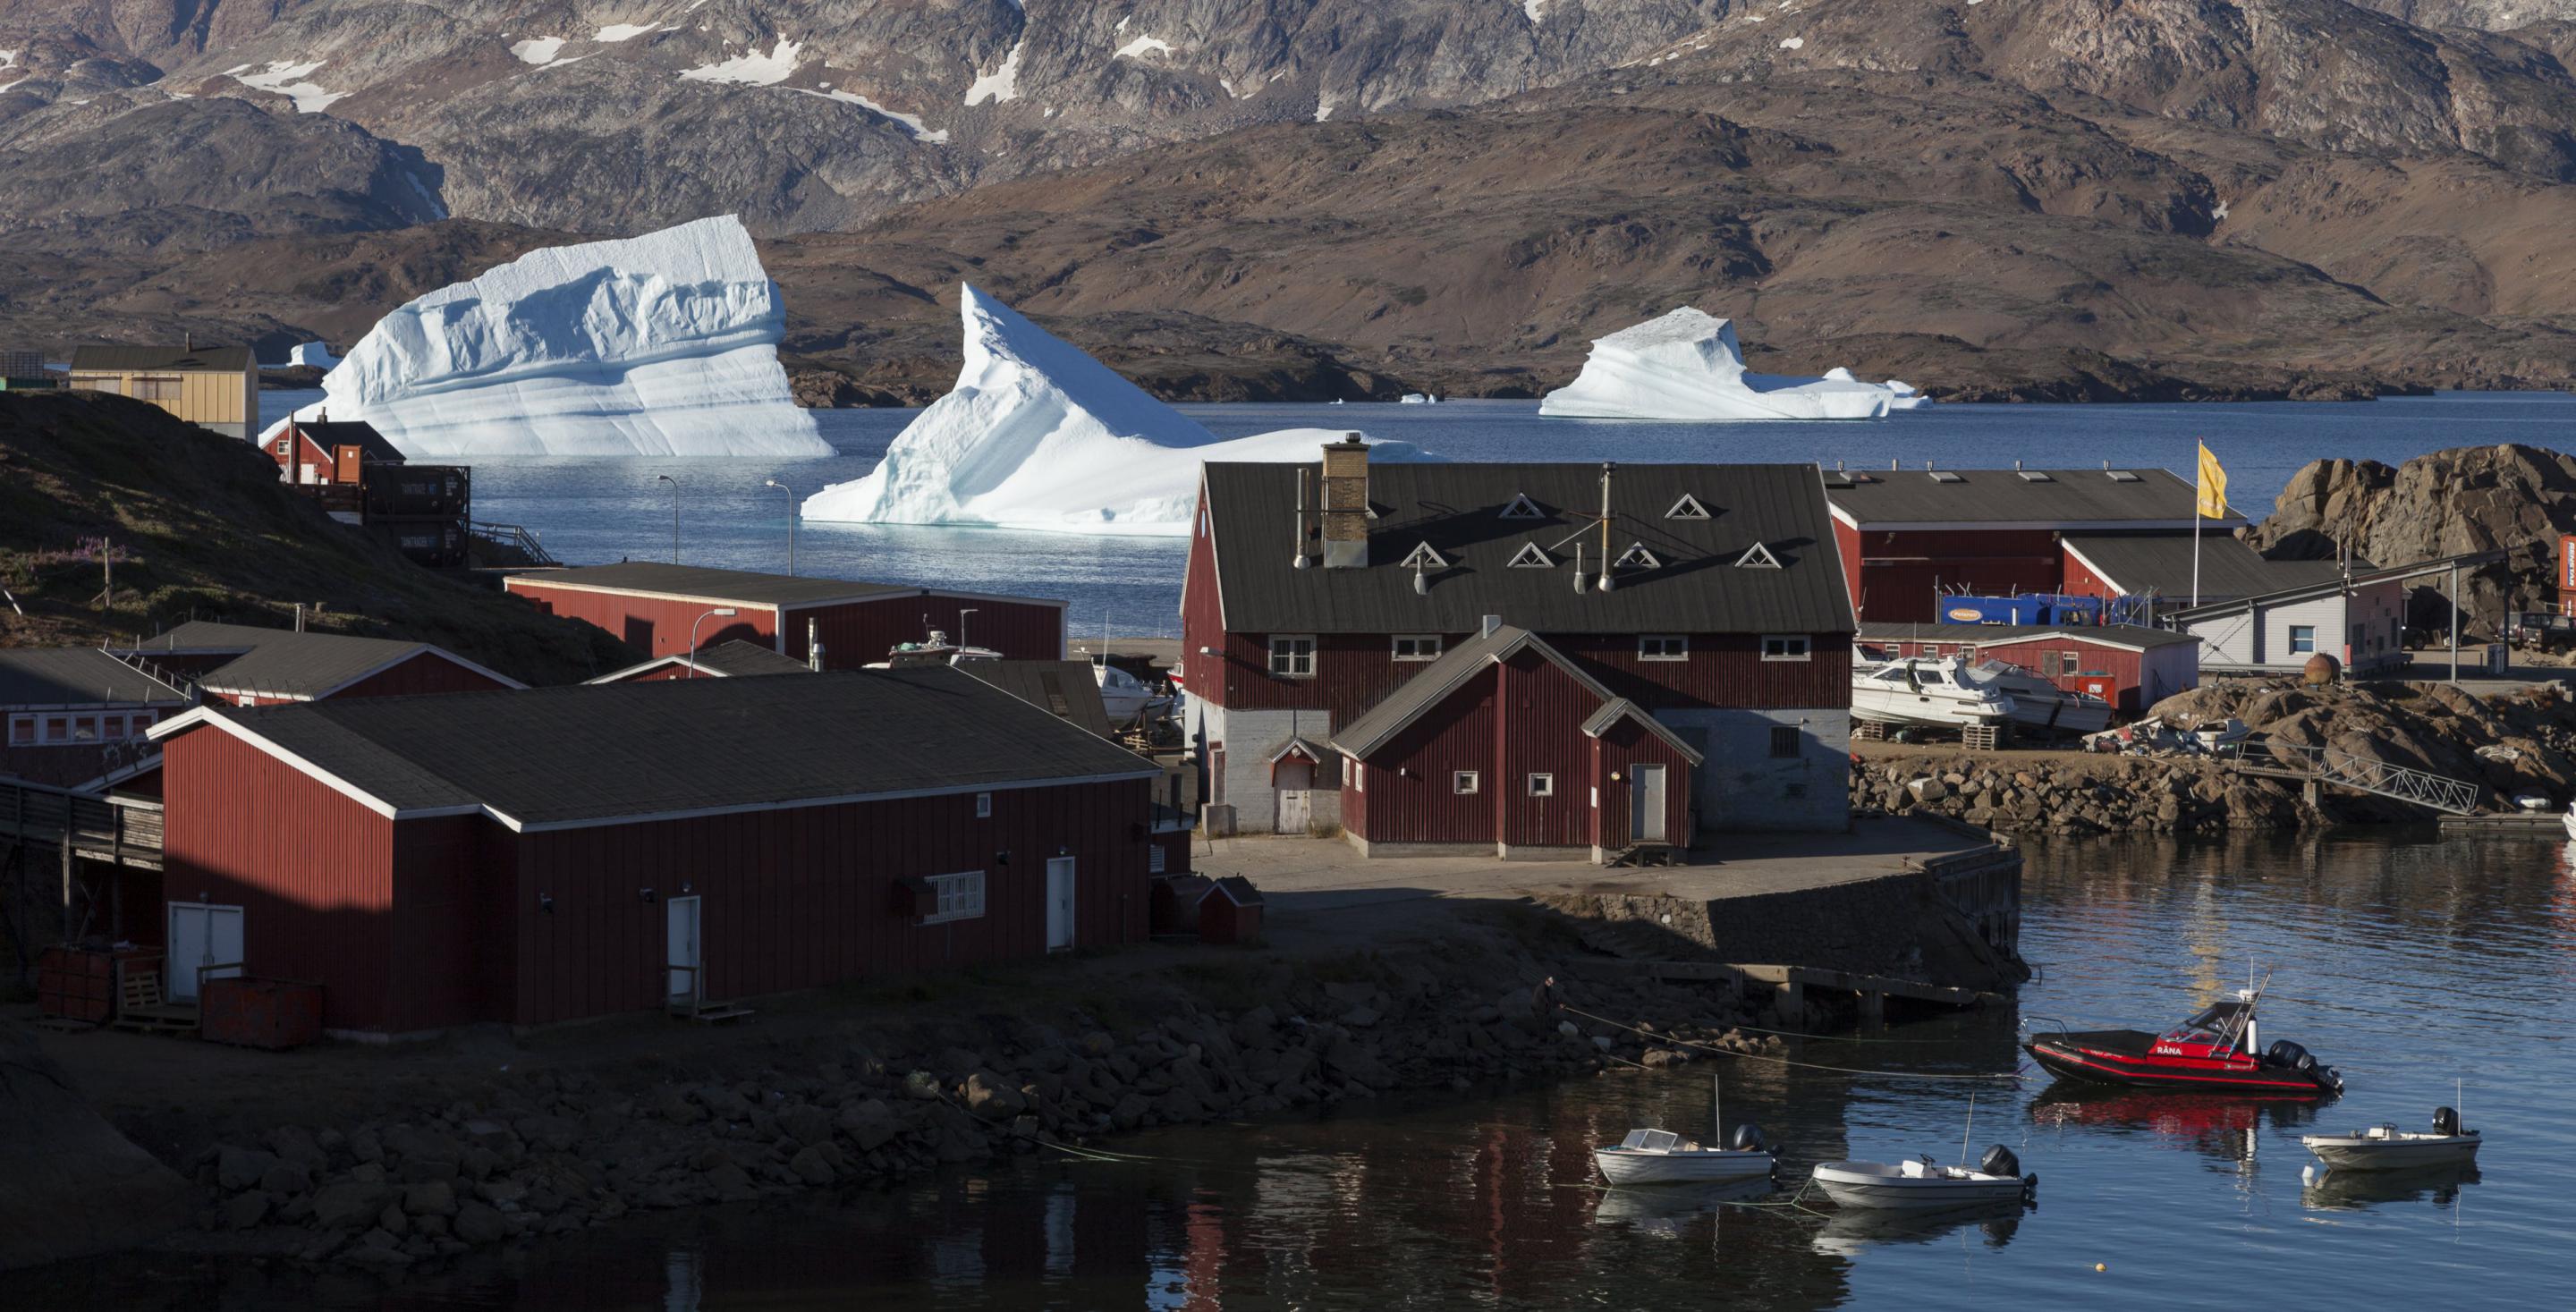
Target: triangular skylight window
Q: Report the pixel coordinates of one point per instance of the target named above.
(1522, 508)
(1687, 508)
(1637, 557)
(1757, 556)
(1531, 557)
(1424, 557)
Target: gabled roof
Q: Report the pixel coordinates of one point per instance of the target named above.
(2162, 563)
(123, 359)
(284, 663)
(1620, 708)
(2132, 637)
(2035, 498)
(2329, 587)
(1456, 508)
(1417, 696)
(593, 754)
(1235, 889)
(332, 433)
(77, 676)
(1067, 690)
(732, 658)
(721, 587)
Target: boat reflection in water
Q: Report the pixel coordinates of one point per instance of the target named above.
(1853, 1230)
(2224, 1129)
(1666, 1210)
(2355, 1191)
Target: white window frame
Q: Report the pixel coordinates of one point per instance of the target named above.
(983, 806)
(957, 896)
(1542, 784)
(1805, 645)
(2294, 639)
(1647, 646)
(1395, 645)
(1292, 656)
(25, 731)
(1466, 783)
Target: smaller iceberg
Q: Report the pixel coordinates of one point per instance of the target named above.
(659, 345)
(311, 355)
(1687, 365)
(1037, 435)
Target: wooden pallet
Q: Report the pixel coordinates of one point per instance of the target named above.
(1985, 737)
(140, 1006)
(1869, 731)
(1647, 854)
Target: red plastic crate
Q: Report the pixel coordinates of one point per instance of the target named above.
(260, 1013)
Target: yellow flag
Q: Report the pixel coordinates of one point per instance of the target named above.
(2213, 486)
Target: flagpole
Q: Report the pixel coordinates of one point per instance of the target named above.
(2199, 477)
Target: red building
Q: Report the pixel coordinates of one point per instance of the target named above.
(1908, 537)
(73, 717)
(2129, 666)
(667, 610)
(734, 658)
(245, 665)
(539, 856)
(319, 453)
(1706, 598)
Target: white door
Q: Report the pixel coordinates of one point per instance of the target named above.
(1646, 804)
(201, 935)
(685, 959)
(1296, 807)
(1059, 903)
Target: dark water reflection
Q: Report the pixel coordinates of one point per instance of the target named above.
(2409, 962)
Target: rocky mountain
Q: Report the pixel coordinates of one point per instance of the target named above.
(2032, 198)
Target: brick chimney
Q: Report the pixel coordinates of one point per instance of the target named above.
(1346, 503)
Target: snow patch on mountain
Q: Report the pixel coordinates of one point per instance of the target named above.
(1037, 435)
(751, 68)
(617, 32)
(1143, 46)
(1536, 9)
(1002, 83)
(537, 50)
(910, 123)
(287, 78)
(1687, 365)
(659, 345)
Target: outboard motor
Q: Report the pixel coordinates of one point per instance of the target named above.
(2285, 1053)
(2445, 1121)
(1747, 1138)
(1999, 1160)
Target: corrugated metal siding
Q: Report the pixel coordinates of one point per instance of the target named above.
(801, 898)
(1540, 731)
(1623, 747)
(1423, 807)
(421, 674)
(1900, 571)
(861, 633)
(1202, 625)
(1354, 672)
(650, 625)
(311, 869)
(455, 915)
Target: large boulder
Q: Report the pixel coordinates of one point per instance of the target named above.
(70, 1185)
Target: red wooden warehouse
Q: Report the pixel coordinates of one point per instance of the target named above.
(2129, 666)
(668, 610)
(540, 856)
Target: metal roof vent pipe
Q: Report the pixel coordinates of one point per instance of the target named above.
(1578, 569)
(1491, 625)
(813, 645)
(1299, 535)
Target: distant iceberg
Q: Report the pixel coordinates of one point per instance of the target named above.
(311, 355)
(1038, 435)
(660, 345)
(1687, 365)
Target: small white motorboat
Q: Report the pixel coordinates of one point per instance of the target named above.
(2039, 704)
(937, 651)
(1925, 691)
(1923, 1184)
(2387, 1148)
(2569, 820)
(1663, 1157)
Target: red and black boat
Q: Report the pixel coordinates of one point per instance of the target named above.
(2218, 1051)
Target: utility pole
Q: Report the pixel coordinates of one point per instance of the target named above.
(675, 514)
(791, 523)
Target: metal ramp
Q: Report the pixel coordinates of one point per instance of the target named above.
(2316, 766)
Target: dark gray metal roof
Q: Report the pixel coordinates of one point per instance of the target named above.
(1620, 708)
(119, 359)
(2361, 575)
(592, 753)
(1067, 690)
(736, 658)
(2161, 563)
(284, 663)
(77, 676)
(714, 585)
(1457, 508)
(2056, 498)
(2136, 637)
(1416, 696)
(350, 432)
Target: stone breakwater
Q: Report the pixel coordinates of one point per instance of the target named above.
(560, 1151)
(2182, 795)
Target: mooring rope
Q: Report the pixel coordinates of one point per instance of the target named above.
(1784, 1061)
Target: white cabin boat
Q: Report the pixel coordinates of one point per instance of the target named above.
(2387, 1148)
(938, 651)
(1122, 694)
(2569, 820)
(1923, 1184)
(1663, 1157)
(2039, 704)
(1928, 691)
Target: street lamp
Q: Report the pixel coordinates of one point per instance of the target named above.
(675, 514)
(725, 611)
(961, 627)
(791, 522)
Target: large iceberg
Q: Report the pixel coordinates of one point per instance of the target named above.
(660, 345)
(1038, 435)
(1686, 365)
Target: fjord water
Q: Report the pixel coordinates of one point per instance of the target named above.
(2408, 961)
(592, 511)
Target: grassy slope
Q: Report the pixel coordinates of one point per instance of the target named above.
(210, 534)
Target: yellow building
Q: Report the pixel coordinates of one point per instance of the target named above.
(214, 386)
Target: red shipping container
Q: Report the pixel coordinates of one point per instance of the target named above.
(80, 983)
(261, 1013)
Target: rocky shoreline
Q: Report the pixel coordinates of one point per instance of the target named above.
(2117, 794)
(553, 1152)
